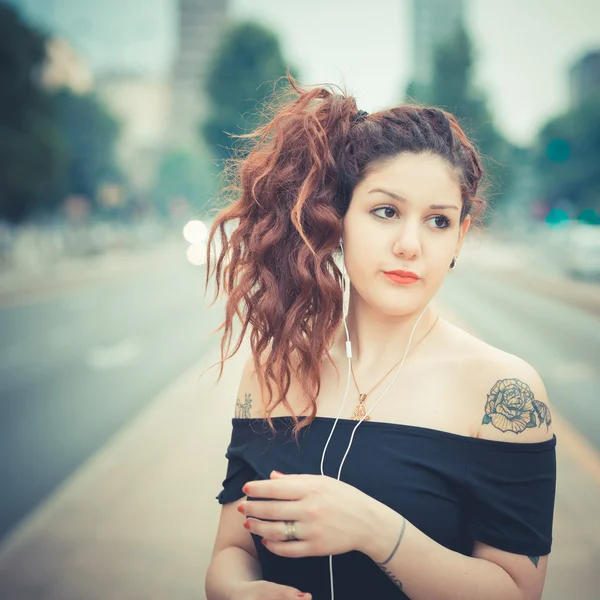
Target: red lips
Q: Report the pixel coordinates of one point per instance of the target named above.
(402, 273)
(406, 277)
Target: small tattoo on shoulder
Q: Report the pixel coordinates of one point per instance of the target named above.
(511, 406)
(535, 560)
(243, 409)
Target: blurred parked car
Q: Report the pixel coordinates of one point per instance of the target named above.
(581, 255)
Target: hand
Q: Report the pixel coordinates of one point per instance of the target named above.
(330, 516)
(265, 590)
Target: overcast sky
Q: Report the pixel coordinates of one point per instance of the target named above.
(525, 47)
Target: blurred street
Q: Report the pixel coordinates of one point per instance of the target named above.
(83, 359)
(106, 407)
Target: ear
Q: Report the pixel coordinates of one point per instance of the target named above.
(464, 227)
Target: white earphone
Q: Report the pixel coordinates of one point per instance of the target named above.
(346, 303)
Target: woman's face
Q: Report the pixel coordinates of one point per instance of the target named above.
(405, 214)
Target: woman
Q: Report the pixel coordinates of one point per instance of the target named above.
(433, 476)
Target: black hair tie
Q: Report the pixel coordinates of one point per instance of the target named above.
(360, 116)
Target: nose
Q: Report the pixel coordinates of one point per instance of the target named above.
(407, 241)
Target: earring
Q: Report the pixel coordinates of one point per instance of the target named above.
(453, 263)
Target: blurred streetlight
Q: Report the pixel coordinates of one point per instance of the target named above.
(195, 232)
(196, 254)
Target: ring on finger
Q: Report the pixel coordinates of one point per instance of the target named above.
(290, 531)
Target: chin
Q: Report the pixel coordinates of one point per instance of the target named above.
(400, 309)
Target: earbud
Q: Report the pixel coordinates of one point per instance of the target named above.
(345, 300)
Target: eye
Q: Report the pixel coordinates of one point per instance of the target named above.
(388, 208)
(441, 221)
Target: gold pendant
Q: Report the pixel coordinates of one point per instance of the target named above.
(360, 411)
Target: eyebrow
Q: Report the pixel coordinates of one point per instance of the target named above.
(401, 199)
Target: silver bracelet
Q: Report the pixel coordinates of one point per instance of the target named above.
(387, 560)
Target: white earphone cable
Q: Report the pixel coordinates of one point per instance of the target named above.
(346, 298)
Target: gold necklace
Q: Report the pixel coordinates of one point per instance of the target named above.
(360, 411)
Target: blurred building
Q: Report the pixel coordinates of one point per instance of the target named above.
(200, 25)
(584, 78)
(434, 21)
(111, 35)
(64, 68)
(141, 104)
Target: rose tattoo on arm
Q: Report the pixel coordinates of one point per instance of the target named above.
(511, 406)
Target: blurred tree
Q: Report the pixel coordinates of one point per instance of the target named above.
(90, 134)
(184, 176)
(245, 67)
(453, 90)
(31, 150)
(568, 158)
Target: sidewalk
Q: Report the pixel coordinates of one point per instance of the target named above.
(18, 286)
(138, 520)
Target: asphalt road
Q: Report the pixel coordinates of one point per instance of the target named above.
(77, 367)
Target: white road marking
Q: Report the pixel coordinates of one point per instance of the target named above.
(110, 357)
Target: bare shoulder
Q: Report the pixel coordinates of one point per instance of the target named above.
(506, 393)
(249, 401)
(516, 406)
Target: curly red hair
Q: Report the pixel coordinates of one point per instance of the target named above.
(289, 190)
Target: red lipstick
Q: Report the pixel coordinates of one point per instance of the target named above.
(402, 277)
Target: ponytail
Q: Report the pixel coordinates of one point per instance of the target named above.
(280, 277)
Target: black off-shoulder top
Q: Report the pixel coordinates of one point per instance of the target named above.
(454, 488)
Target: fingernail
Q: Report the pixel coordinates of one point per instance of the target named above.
(245, 489)
(240, 508)
(276, 473)
(263, 542)
(247, 524)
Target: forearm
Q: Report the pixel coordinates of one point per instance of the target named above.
(227, 570)
(426, 570)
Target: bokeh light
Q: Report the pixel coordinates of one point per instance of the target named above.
(195, 232)
(196, 254)
(589, 215)
(557, 217)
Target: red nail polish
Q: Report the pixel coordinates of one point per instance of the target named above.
(302, 595)
(245, 489)
(247, 524)
(278, 472)
(240, 508)
(263, 542)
